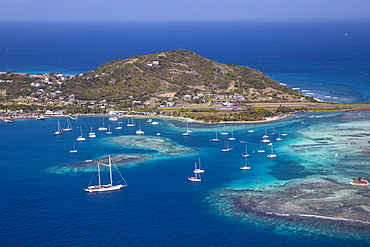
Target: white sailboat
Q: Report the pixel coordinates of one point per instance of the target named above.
(73, 150)
(154, 122)
(103, 127)
(265, 135)
(271, 155)
(113, 119)
(109, 132)
(284, 134)
(232, 138)
(246, 152)
(250, 130)
(59, 131)
(246, 165)
(226, 148)
(69, 125)
(106, 187)
(198, 169)
(196, 177)
(215, 139)
(119, 126)
(187, 133)
(261, 150)
(92, 133)
(132, 123)
(139, 131)
(279, 138)
(81, 138)
(224, 131)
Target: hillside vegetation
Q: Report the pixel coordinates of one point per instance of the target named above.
(180, 71)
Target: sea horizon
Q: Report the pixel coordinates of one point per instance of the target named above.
(44, 202)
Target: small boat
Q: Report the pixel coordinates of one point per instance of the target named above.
(154, 122)
(132, 123)
(232, 138)
(158, 134)
(109, 132)
(271, 155)
(279, 138)
(92, 133)
(265, 135)
(113, 119)
(187, 133)
(246, 152)
(59, 131)
(250, 130)
(7, 120)
(119, 126)
(215, 139)
(246, 165)
(139, 131)
(103, 127)
(359, 182)
(261, 149)
(224, 132)
(226, 148)
(73, 150)
(196, 177)
(106, 187)
(198, 169)
(81, 138)
(69, 125)
(284, 134)
(149, 120)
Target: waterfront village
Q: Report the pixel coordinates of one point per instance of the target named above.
(46, 98)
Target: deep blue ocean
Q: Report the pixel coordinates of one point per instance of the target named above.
(44, 205)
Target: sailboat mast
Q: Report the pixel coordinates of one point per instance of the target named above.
(99, 179)
(110, 171)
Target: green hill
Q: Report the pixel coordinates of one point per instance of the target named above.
(180, 71)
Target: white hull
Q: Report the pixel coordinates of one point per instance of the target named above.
(102, 128)
(194, 179)
(215, 140)
(80, 138)
(271, 156)
(104, 188)
(67, 129)
(91, 135)
(232, 139)
(198, 171)
(245, 168)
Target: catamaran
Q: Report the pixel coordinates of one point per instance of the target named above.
(106, 187)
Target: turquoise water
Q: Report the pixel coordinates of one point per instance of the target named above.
(43, 203)
(160, 206)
